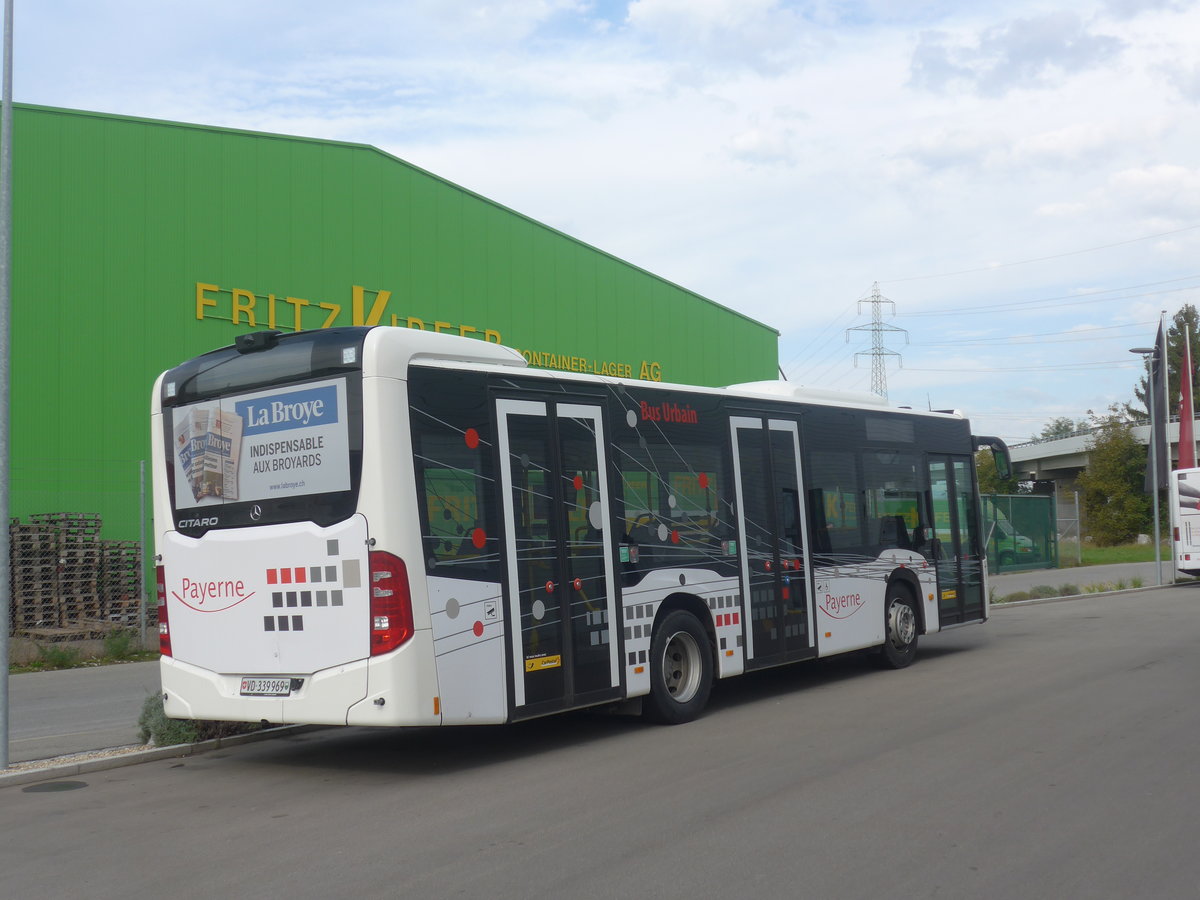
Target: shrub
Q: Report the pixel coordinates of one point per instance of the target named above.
(121, 644)
(1068, 590)
(56, 657)
(1042, 591)
(153, 725)
(1016, 597)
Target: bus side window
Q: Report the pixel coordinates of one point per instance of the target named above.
(452, 454)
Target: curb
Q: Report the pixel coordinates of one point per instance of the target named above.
(55, 769)
(1089, 596)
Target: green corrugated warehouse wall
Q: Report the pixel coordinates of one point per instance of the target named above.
(137, 243)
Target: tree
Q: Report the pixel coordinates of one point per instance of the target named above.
(1061, 427)
(990, 481)
(1117, 509)
(1186, 317)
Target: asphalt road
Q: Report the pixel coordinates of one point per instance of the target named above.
(1050, 753)
(78, 710)
(74, 710)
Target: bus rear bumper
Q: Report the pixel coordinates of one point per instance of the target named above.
(323, 698)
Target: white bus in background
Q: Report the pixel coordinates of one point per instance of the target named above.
(1185, 521)
(383, 526)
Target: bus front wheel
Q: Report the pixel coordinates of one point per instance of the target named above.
(900, 642)
(681, 670)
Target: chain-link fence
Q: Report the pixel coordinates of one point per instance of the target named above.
(1022, 532)
(1070, 527)
(77, 564)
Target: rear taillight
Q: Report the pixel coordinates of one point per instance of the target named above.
(391, 604)
(164, 629)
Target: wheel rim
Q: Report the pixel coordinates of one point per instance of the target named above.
(902, 624)
(681, 666)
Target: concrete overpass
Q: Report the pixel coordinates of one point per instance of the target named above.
(1062, 459)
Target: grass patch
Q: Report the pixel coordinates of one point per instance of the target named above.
(1104, 556)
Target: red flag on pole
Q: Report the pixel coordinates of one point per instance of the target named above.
(1187, 440)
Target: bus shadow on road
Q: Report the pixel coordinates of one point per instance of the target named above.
(433, 752)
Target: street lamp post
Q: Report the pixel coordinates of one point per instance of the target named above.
(1149, 354)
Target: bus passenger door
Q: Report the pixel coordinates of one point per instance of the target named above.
(956, 550)
(561, 607)
(771, 524)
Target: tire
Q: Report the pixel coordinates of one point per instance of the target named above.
(901, 627)
(681, 670)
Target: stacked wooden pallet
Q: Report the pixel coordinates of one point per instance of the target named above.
(66, 581)
(33, 558)
(120, 581)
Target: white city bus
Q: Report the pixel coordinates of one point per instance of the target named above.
(384, 526)
(1185, 521)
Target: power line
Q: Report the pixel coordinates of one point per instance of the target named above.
(1063, 367)
(1018, 341)
(1033, 334)
(1071, 299)
(848, 311)
(1023, 262)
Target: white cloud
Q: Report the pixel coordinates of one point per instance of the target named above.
(1169, 192)
(1034, 52)
(1061, 210)
(762, 35)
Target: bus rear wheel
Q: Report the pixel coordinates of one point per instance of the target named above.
(901, 627)
(681, 670)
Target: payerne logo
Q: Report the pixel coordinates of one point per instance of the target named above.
(212, 595)
(285, 412)
(841, 606)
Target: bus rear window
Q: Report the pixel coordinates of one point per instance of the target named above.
(266, 435)
(289, 453)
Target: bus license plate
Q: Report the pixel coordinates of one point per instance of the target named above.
(266, 687)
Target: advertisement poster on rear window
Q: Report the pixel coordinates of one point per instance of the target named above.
(266, 445)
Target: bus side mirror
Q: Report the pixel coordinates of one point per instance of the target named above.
(1003, 464)
(999, 454)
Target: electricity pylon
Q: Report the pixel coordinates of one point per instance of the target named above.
(878, 352)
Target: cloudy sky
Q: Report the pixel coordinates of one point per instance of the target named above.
(1021, 179)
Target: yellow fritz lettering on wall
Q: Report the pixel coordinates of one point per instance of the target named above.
(202, 298)
(243, 302)
(244, 307)
(358, 293)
